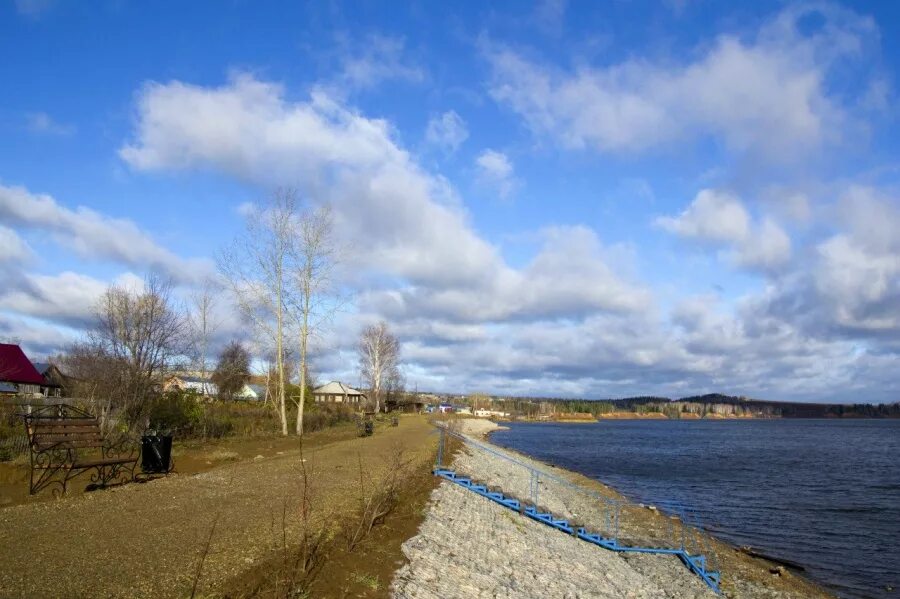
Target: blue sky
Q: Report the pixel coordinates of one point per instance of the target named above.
(566, 199)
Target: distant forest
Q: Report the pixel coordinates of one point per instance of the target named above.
(701, 406)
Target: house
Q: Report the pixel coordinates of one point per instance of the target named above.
(54, 379)
(481, 413)
(445, 408)
(337, 392)
(252, 392)
(199, 384)
(18, 375)
(406, 405)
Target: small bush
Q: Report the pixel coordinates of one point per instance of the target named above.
(176, 412)
(324, 416)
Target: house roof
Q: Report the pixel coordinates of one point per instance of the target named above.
(16, 368)
(336, 388)
(42, 367)
(195, 379)
(260, 390)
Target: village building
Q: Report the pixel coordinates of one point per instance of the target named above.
(18, 376)
(482, 413)
(251, 392)
(54, 380)
(199, 384)
(337, 392)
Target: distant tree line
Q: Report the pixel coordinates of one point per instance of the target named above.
(703, 406)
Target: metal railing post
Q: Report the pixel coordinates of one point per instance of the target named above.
(440, 453)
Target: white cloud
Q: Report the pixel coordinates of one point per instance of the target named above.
(713, 215)
(720, 218)
(38, 339)
(377, 59)
(12, 247)
(41, 122)
(766, 96)
(569, 277)
(447, 131)
(566, 320)
(496, 170)
(68, 297)
(857, 272)
(94, 235)
(411, 221)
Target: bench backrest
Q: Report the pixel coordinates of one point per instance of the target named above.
(69, 433)
(62, 426)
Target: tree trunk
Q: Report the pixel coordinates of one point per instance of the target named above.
(279, 348)
(304, 331)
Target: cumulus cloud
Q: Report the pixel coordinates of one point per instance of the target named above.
(720, 218)
(856, 273)
(496, 170)
(447, 131)
(766, 95)
(68, 298)
(94, 235)
(12, 247)
(569, 278)
(567, 319)
(413, 224)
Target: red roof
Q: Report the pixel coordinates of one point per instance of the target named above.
(16, 368)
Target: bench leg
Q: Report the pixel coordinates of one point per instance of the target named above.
(47, 477)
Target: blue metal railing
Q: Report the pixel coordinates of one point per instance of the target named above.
(686, 543)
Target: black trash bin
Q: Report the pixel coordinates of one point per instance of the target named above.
(156, 454)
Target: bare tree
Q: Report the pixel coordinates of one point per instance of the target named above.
(314, 263)
(141, 333)
(258, 266)
(203, 324)
(379, 359)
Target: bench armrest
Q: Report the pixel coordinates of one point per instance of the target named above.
(123, 447)
(52, 456)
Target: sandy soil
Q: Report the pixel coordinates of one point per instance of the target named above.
(147, 540)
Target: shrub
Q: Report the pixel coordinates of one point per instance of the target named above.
(178, 412)
(324, 416)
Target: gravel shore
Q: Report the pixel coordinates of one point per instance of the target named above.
(469, 546)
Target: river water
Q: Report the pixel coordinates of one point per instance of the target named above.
(822, 493)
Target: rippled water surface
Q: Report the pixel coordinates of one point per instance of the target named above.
(823, 493)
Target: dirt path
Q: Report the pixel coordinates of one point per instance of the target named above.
(147, 540)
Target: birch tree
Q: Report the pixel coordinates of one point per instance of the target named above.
(258, 268)
(203, 324)
(379, 359)
(314, 262)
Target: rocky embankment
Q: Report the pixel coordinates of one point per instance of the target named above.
(470, 547)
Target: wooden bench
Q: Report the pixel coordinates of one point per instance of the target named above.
(66, 441)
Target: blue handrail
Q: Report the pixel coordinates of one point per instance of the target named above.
(696, 560)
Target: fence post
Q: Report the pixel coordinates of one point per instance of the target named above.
(440, 454)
